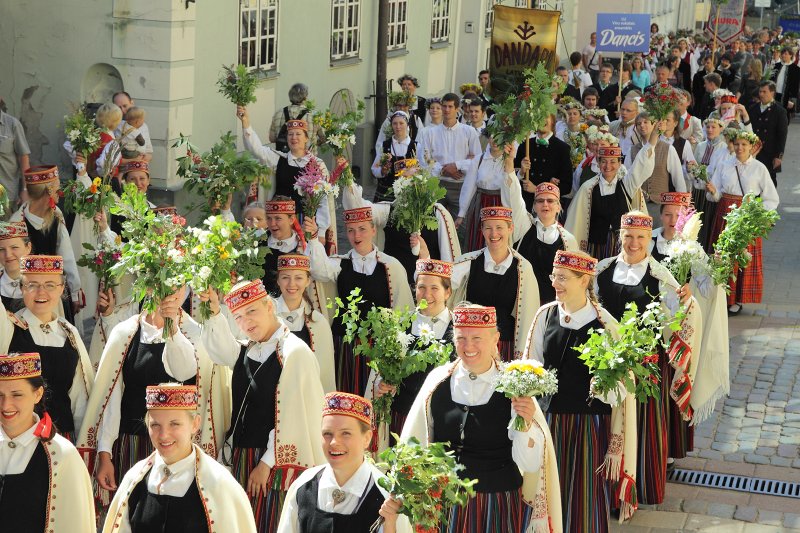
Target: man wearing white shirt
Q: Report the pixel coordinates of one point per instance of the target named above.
(124, 101)
(690, 127)
(624, 128)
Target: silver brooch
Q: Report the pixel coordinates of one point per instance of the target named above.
(473, 376)
(338, 496)
(290, 319)
(46, 328)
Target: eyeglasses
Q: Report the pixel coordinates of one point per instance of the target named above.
(560, 279)
(34, 287)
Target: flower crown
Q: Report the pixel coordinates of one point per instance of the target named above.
(474, 87)
(751, 137)
(402, 98)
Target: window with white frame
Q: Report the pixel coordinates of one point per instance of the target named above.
(489, 16)
(440, 24)
(398, 26)
(345, 29)
(258, 34)
(521, 3)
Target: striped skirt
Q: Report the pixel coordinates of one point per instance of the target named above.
(651, 446)
(489, 512)
(506, 350)
(681, 434)
(707, 212)
(747, 286)
(483, 198)
(266, 507)
(129, 450)
(581, 442)
(352, 372)
(610, 249)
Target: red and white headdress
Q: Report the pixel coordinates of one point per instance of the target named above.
(609, 151)
(497, 212)
(13, 230)
(280, 207)
(474, 317)
(547, 188)
(20, 366)
(41, 174)
(42, 264)
(682, 199)
(297, 124)
(342, 403)
(360, 214)
(631, 221)
(167, 210)
(136, 164)
(435, 267)
(294, 262)
(171, 396)
(577, 262)
(245, 295)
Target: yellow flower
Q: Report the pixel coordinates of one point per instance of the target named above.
(539, 371)
(97, 182)
(118, 240)
(197, 249)
(519, 366)
(224, 255)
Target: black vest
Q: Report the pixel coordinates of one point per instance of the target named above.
(253, 387)
(313, 520)
(498, 290)
(23, 497)
(151, 513)
(383, 188)
(285, 176)
(606, 212)
(397, 245)
(479, 437)
(658, 256)
(541, 256)
(614, 296)
(12, 305)
(44, 241)
(374, 289)
(573, 374)
(305, 335)
(59, 365)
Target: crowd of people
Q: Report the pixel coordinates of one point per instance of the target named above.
(260, 417)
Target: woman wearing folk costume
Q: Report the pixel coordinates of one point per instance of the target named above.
(399, 147)
(287, 166)
(538, 238)
(635, 276)
(47, 231)
(732, 113)
(442, 242)
(178, 488)
(499, 275)
(729, 184)
(595, 211)
(45, 486)
(295, 309)
(113, 436)
(482, 187)
(589, 438)
(342, 495)
(276, 392)
(672, 136)
(380, 277)
(436, 321)
(285, 237)
(589, 166)
(517, 472)
(400, 101)
(14, 245)
(708, 152)
(709, 369)
(572, 113)
(37, 328)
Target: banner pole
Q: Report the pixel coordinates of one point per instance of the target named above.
(619, 81)
(714, 46)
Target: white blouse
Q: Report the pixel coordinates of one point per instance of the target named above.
(739, 178)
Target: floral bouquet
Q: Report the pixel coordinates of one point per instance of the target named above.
(631, 359)
(577, 146)
(238, 84)
(426, 479)
(660, 100)
(313, 186)
(4, 202)
(699, 172)
(743, 225)
(391, 352)
(384, 162)
(88, 201)
(596, 112)
(340, 134)
(415, 197)
(517, 116)
(155, 252)
(684, 254)
(100, 260)
(82, 132)
(219, 172)
(525, 378)
(215, 258)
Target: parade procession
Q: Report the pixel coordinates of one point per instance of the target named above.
(500, 307)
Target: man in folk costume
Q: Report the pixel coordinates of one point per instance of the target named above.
(342, 495)
(709, 369)
(595, 211)
(497, 274)
(592, 437)
(37, 328)
(624, 128)
(113, 437)
(178, 487)
(14, 245)
(276, 393)
(442, 242)
(45, 484)
(517, 472)
(635, 276)
(381, 278)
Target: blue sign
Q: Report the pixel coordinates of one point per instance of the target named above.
(623, 32)
(790, 23)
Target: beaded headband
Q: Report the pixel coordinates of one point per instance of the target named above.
(360, 214)
(42, 264)
(496, 213)
(577, 262)
(474, 317)
(20, 366)
(297, 124)
(171, 396)
(294, 262)
(683, 199)
(136, 164)
(245, 295)
(609, 151)
(342, 403)
(41, 174)
(13, 230)
(280, 207)
(629, 221)
(434, 267)
(547, 188)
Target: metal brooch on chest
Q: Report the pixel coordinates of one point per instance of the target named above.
(338, 496)
(473, 376)
(567, 319)
(46, 328)
(290, 319)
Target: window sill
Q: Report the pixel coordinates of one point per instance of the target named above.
(268, 74)
(346, 62)
(397, 52)
(440, 44)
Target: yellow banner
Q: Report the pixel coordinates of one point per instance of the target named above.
(522, 38)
